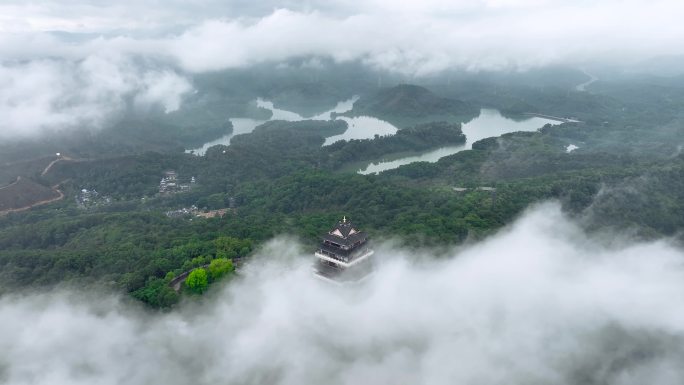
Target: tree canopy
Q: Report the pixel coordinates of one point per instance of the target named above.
(197, 281)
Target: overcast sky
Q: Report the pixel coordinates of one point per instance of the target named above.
(419, 36)
(91, 71)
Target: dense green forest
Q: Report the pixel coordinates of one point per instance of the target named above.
(627, 173)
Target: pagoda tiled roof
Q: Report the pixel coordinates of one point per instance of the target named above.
(345, 233)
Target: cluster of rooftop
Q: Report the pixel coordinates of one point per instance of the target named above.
(170, 183)
(91, 198)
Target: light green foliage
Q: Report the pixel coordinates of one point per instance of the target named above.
(220, 267)
(197, 281)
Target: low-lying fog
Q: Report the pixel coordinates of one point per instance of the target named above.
(539, 303)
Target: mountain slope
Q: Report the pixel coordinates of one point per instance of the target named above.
(407, 104)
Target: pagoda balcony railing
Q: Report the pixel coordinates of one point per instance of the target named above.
(330, 254)
(343, 258)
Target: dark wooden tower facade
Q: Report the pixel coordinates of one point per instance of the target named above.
(343, 255)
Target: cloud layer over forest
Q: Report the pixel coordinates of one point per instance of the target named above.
(45, 46)
(538, 303)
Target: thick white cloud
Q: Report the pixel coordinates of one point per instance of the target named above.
(414, 38)
(538, 303)
(53, 94)
(163, 88)
(408, 36)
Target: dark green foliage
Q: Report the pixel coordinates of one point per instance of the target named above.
(126, 177)
(156, 293)
(288, 137)
(323, 128)
(229, 247)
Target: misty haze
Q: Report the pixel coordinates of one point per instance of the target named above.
(421, 192)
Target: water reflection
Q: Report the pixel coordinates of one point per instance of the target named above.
(240, 126)
(279, 114)
(362, 127)
(246, 125)
(490, 123)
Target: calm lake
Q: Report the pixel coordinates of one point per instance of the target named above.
(240, 126)
(361, 127)
(490, 123)
(246, 125)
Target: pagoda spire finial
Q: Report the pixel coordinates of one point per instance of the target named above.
(344, 219)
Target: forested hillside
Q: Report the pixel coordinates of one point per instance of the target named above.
(405, 105)
(625, 172)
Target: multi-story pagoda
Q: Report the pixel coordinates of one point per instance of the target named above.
(343, 255)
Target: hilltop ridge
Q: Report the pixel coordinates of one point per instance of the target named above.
(406, 105)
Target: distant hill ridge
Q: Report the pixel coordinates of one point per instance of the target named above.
(408, 103)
